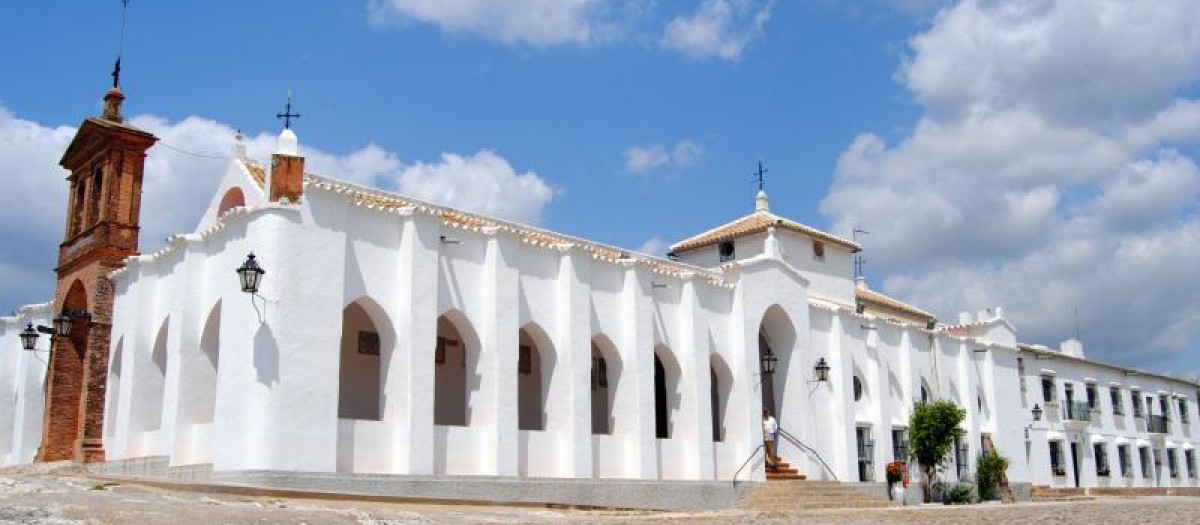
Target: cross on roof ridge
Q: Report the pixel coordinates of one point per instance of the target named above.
(287, 114)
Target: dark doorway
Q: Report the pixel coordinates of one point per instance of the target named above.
(661, 428)
(768, 380)
(1075, 461)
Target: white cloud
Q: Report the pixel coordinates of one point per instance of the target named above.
(482, 182)
(686, 153)
(718, 28)
(640, 159)
(178, 185)
(1048, 172)
(655, 246)
(531, 22)
(1068, 59)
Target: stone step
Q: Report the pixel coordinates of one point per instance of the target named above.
(800, 494)
(834, 505)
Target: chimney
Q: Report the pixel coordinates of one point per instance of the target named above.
(112, 105)
(287, 169)
(1073, 348)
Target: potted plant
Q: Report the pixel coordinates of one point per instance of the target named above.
(897, 472)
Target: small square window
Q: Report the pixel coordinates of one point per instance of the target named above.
(725, 250)
(818, 250)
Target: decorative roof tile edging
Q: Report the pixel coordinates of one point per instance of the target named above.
(387, 202)
(180, 241)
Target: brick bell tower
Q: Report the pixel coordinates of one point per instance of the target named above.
(105, 161)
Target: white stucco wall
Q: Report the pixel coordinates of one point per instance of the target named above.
(204, 373)
(22, 379)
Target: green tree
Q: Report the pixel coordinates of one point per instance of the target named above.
(931, 436)
(989, 473)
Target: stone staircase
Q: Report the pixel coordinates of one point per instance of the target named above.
(784, 472)
(800, 494)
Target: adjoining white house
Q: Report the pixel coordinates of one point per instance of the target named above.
(392, 336)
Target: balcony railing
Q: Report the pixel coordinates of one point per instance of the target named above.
(1158, 425)
(1078, 411)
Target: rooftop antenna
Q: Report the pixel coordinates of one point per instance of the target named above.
(1077, 324)
(860, 264)
(116, 74)
(758, 176)
(287, 114)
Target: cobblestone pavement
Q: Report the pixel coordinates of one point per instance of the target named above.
(62, 500)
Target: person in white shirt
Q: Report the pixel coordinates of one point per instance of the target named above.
(770, 436)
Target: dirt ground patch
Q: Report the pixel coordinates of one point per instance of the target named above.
(48, 499)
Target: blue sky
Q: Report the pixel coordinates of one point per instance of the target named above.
(1034, 154)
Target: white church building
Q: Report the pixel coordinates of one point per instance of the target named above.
(395, 337)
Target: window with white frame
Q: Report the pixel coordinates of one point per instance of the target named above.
(1189, 459)
(1021, 372)
(1144, 458)
(900, 445)
(1048, 389)
(1137, 403)
(1125, 461)
(1100, 453)
(1056, 459)
(1114, 396)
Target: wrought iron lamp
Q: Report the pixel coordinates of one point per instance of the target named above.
(822, 370)
(29, 337)
(250, 274)
(769, 359)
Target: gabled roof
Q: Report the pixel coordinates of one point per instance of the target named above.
(877, 299)
(757, 222)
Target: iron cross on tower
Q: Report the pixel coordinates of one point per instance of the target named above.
(287, 114)
(758, 175)
(116, 74)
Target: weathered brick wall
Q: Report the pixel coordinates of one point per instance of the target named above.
(77, 379)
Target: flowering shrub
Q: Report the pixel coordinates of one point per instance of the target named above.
(897, 473)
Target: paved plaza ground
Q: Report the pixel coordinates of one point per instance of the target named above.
(70, 500)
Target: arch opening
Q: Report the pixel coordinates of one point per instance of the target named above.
(360, 369)
(535, 368)
(666, 391)
(776, 336)
(148, 388)
(232, 199)
(204, 371)
(720, 385)
(456, 357)
(606, 374)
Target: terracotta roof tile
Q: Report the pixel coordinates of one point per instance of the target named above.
(257, 172)
(754, 223)
(878, 299)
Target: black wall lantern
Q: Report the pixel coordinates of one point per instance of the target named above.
(62, 325)
(822, 370)
(1037, 412)
(250, 274)
(769, 359)
(29, 337)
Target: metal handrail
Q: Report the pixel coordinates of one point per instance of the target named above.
(808, 450)
(744, 463)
